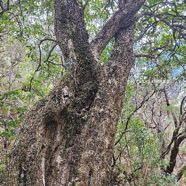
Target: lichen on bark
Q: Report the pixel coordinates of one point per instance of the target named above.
(70, 139)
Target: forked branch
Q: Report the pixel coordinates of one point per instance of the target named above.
(122, 18)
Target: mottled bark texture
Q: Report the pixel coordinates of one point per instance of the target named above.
(70, 139)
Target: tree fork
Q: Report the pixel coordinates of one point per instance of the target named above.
(70, 139)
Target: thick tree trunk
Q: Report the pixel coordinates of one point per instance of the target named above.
(70, 139)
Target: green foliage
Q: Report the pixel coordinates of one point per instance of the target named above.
(12, 109)
(106, 52)
(96, 13)
(137, 154)
(163, 43)
(27, 71)
(2, 173)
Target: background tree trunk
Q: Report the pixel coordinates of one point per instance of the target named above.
(69, 139)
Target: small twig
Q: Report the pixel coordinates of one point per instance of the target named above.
(7, 7)
(50, 52)
(182, 105)
(134, 111)
(145, 55)
(40, 59)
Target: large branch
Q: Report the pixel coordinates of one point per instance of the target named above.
(70, 29)
(124, 17)
(72, 38)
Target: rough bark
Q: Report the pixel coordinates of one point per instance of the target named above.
(70, 139)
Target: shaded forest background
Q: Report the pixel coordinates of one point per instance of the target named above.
(149, 144)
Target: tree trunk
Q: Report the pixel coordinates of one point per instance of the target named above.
(69, 140)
